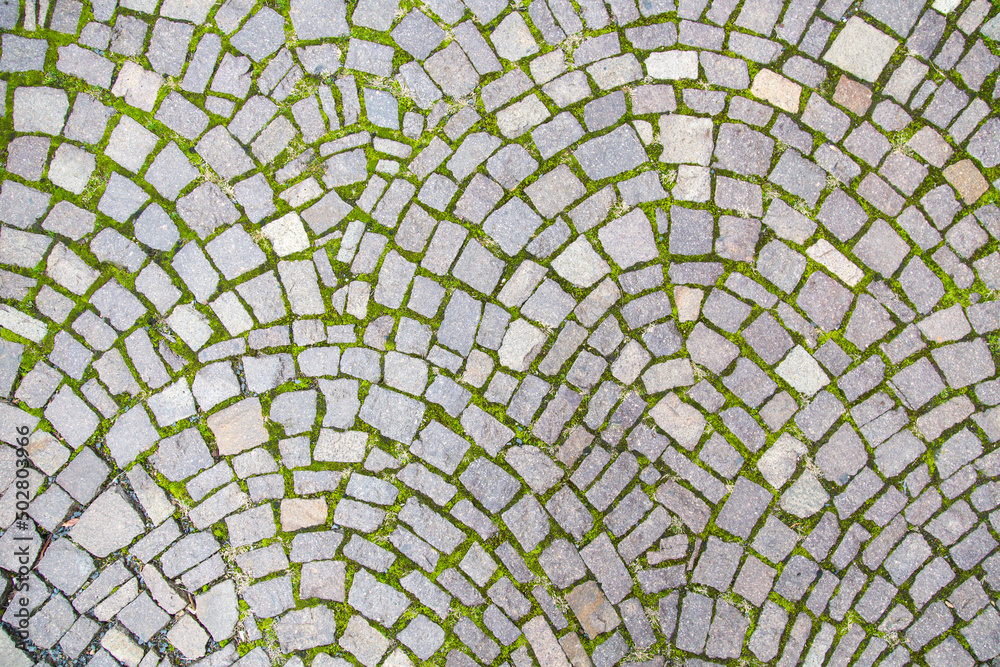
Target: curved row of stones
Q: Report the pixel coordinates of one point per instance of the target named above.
(551, 333)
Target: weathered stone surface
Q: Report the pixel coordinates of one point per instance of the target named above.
(108, 524)
(306, 628)
(238, 427)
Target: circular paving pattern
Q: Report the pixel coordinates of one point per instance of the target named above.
(553, 333)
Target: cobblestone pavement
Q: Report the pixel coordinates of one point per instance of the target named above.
(550, 333)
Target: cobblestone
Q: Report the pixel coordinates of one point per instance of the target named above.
(587, 360)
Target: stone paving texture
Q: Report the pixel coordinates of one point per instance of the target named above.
(457, 332)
